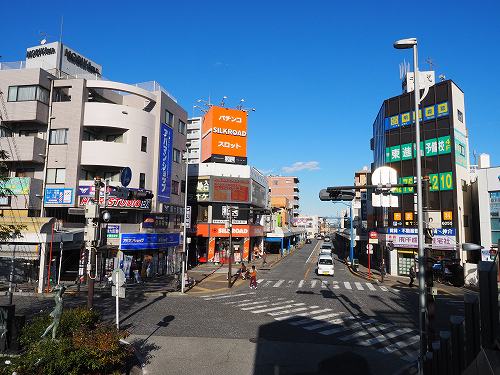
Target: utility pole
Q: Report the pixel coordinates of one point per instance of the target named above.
(92, 234)
(230, 260)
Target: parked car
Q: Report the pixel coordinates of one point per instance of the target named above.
(323, 251)
(326, 245)
(448, 271)
(327, 239)
(325, 265)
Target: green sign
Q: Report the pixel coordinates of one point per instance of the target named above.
(392, 154)
(431, 147)
(405, 190)
(441, 181)
(444, 145)
(406, 151)
(460, 150)
(15, 186)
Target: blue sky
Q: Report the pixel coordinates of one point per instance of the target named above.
(316, 71)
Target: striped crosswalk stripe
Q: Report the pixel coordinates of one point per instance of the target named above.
(240, 301)
(302, 314)
(381, 338)
(277, 308)
(267, 283)
(287, 311)
(366, 331)
(359, 286)
(313, 283)
(370, 286)
(259, 281)
(399, 345)
(290, 283)
(278, 284)
(324, 284)
(346, 328)
(315, 319)
(228, 296)
(301, 282)
(244, 303)
(383, 288)
(330, 323)
(335, 285)
(260, 306)
(347, 285)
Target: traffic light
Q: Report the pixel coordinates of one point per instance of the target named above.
(332, 194)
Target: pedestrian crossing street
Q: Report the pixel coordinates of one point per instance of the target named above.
(324, 284)
(366, 331)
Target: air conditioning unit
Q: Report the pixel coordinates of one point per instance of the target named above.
(432, 219)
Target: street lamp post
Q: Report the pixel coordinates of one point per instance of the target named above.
(184, 239)
(406, 44)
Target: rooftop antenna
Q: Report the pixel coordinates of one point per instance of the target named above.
(431, 63)
(44, 37)
(475, 156)
(223, 103)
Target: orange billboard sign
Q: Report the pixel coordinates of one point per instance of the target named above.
(224, 136)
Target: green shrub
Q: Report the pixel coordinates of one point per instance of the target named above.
(82, 347)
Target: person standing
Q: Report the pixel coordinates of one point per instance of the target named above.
(253, 278)
(412, 276)
(382, 270)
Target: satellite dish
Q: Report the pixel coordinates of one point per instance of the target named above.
(43, 41)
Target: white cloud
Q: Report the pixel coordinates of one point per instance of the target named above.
(302, 166)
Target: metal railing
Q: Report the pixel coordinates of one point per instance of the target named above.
(9, 65)
(154, 86)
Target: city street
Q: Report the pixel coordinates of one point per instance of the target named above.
(294, 323)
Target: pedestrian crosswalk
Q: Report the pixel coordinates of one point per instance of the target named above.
(362, 330)
(325, 284)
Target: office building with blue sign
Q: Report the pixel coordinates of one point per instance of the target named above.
(65, 124)
(445, 163)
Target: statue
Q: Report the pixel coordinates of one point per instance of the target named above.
(56, 313)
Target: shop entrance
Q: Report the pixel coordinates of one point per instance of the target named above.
(222, 249)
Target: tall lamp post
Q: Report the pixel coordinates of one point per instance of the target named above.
(351, 231)
(406, 44)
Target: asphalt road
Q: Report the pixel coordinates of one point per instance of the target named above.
(295, 322)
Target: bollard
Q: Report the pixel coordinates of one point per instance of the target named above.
(7, 313)
(488, 300)
(435, 357)
(471, 303)
(19, 322)
(457, 344)
(444, 353)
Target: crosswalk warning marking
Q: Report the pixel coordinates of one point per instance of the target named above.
(370, 286)
(400, 344)
(324, 284)
(302, 314)
(278, 284)
(330, 323)
(266, 305)
(234, 302)
(347, 328)
(335, 285)
(347, 285)
(228, 296)
(313, 283)
(358, 285)
(244, 303)
(277, 308)
(383, 288)
(301, 282)
(381, 338)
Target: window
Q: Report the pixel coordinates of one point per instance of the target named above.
(88, 136)
(58, 137)
(460, 116)
(4, 132)
(28, 93)
(87, 175)
(142, 180)
(118, 138)
(25, 172)
(28, 133)
(183, 186)
(62, 94)
(5, 201)
(175, 187)
(466, 221)
(461, 149)
(56, 175)
(464, 185)
(112, 176)
(182, 127)
(177, 156)
(144, 144)
(169, 118)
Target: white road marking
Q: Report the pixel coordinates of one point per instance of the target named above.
(278, 284)
(359, 286)
(383, 288)
(277, 308)
(233, 302)
(313, 283)
(381, 337)
(259, 281)
(366, 331)
(287, 311)
(290, 283)
(312, 252)
(324, 284)
(244, 303)
(267, 283)
(301, 282)
(335, 285)
(347, 285)
(228, 296)
(330, 323)
(400, 344)
(370, 286)
(315, 318)
(352, 326)
(305, 313)
(263, 306)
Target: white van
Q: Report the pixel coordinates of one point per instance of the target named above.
(325, 265)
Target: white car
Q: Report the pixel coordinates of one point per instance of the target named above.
(325, 251)
(325, 265)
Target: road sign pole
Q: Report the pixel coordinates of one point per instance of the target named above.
(369, 270)
(351, 250)
(117, 306)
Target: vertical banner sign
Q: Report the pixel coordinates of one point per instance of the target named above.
(187, 217)
(165, 163)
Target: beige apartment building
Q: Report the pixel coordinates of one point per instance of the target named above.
(62, 125)
(287, 187)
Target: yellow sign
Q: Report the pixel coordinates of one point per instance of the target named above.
(442, 108)
(397, 216)
(429, 111)
(447, 215)
(409, 216)
(395, 120)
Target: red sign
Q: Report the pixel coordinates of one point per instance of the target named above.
(227, 189)
(373, 235)
(218, 230)
(114, 202)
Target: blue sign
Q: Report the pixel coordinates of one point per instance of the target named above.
(125, 176)
(165, 163)
(58, 196)
(148, 241)
(436, 232)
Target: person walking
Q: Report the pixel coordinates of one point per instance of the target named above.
(382, 270)
(253, 278)
(412, 276)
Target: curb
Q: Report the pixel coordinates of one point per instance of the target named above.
(279, 260)
(358, 274)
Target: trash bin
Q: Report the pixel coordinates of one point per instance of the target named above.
(355, 264)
